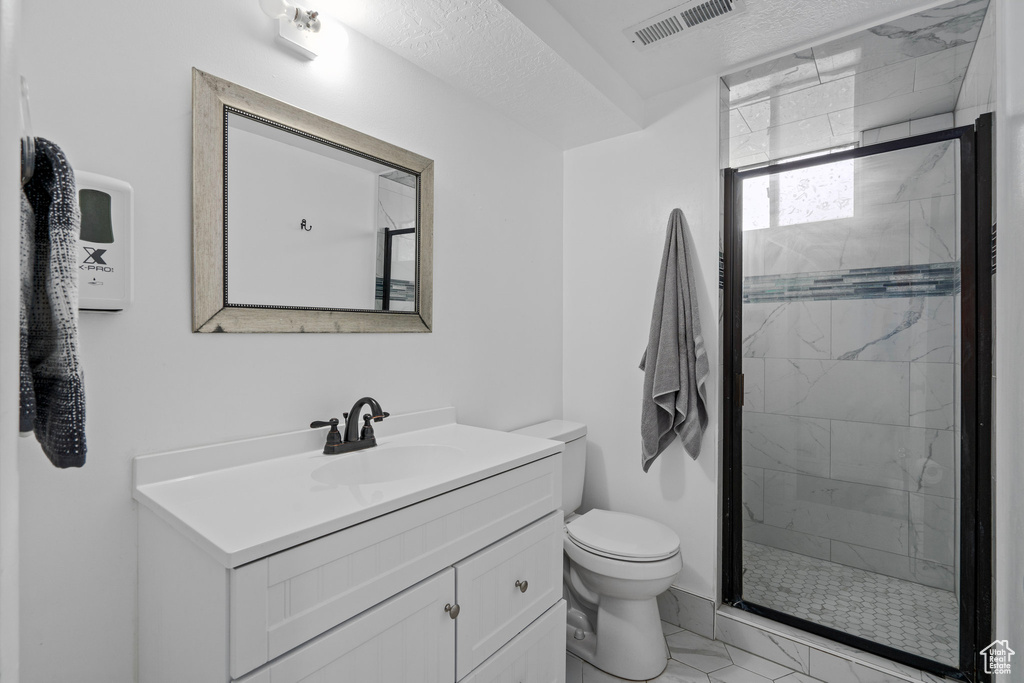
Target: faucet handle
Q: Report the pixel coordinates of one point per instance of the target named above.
(334, 439)
(367, 431)
(376, 418)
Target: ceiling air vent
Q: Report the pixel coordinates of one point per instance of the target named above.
(680, 20)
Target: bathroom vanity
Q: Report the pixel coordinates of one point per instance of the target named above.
(435, 557)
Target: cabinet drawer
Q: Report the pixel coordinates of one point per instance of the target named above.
(407, 639)
(537, 655)
(493, 608)
(283, 600)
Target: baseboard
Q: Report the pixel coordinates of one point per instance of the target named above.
(689, 611)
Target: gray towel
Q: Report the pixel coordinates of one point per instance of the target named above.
(675, 363)
(52, 394)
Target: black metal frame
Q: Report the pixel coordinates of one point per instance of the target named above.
(981, 507)
(385, 296)
(976, 402)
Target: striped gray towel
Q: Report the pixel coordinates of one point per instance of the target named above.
(52, 393)
(675, 363)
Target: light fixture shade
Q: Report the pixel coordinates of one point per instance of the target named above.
(275, 9)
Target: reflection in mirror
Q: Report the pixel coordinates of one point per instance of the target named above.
(396, 242)
(309, 223)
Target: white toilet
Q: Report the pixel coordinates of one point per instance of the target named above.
(616, 564)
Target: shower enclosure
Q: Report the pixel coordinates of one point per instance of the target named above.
(857, 366)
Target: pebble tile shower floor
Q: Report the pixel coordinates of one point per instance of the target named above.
(906, 615)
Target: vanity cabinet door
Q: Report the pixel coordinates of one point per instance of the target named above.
(537, 655)
(505, 587)
(409, 638)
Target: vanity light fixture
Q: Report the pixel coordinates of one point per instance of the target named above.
(297, 26)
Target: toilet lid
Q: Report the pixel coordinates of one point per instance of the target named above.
(622, 535)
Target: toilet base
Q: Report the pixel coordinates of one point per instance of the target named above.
(631, 644)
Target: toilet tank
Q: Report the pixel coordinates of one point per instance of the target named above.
(574, 458)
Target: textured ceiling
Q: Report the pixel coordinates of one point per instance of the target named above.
(767, 27)
(563, 68)
(481, 48)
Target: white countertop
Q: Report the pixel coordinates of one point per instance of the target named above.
(242, 513)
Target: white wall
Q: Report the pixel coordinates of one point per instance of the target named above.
(112, 86)
(618, 195)
(10, 286)
(1009, 330)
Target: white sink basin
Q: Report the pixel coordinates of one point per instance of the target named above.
(240, 502)
(383, 464)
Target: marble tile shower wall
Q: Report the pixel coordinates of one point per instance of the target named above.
(978, 93)
(908, 69)
(905, 205)
(849, 429)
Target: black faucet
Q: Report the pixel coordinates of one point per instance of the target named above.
(354, 440)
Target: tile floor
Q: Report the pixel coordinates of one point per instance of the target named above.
(695, 659)
(906, 615)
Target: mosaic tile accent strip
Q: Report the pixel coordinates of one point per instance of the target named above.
(902, 614)
(401, 290)
(926, 279)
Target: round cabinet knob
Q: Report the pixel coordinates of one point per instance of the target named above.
(522, 586)
(452, 610)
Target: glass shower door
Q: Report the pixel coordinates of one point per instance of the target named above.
(850, 349)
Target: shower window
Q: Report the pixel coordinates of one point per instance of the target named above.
(805, 195)
(850, 501)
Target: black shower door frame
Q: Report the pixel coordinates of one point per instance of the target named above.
(976, 262)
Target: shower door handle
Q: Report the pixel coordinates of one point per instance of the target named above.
(740, 388)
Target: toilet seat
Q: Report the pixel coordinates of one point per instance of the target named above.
(621, 536)
(630, 571)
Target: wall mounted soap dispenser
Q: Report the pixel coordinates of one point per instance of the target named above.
(105, 243)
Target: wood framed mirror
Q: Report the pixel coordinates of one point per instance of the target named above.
(301, 224)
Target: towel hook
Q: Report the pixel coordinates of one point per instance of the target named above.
(28, 140)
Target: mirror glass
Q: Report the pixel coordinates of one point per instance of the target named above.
(313, 225)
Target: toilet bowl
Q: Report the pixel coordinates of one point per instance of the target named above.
(618, 565)
(615, 566)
